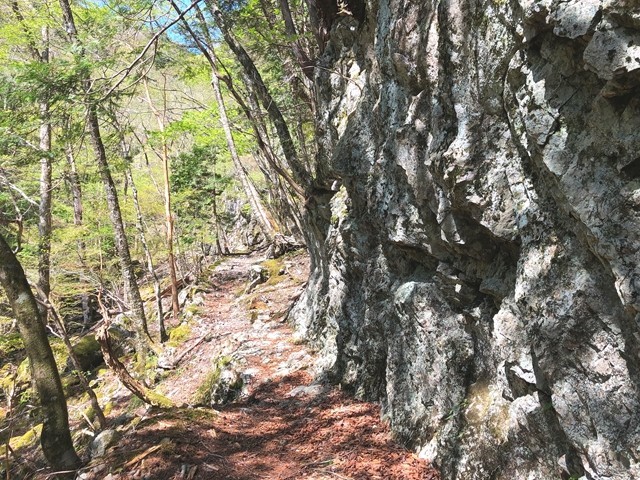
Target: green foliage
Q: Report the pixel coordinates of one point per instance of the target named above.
(57, 81)
(194, 182)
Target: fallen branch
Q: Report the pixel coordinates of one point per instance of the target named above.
(142, 455)
(186, 352)
(134, 386)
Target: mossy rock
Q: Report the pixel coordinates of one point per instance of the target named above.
(23, 374)
(87, 350)
(159, 400)
(179, 334)
(29, 438)
(222, 385)
(276, 271)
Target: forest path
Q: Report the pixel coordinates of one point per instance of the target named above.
(282, 426)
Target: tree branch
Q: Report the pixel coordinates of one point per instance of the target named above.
(126, 71)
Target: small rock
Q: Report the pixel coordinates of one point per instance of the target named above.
(306, 391)
(103, 441)
(258, 325)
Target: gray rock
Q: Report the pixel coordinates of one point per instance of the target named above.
(102, 441)
(306, 391)
(228, 386)
(478, 269)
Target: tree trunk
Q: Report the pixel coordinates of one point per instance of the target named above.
(46, 190)
(150, 267)
(299, 53)
(260, 130)
(137, 388)
(264, 219)
(256, 84)
(93, 398)
(214, 211)
(56, 438)
(160, 118)
(121, 243)
(76, 191)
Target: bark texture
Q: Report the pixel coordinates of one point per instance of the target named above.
(478, 270)
(56, 438)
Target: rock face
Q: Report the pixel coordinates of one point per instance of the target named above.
(477, 268)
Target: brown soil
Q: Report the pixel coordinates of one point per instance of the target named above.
(284, 426)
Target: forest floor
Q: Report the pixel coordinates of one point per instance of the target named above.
(283, 424)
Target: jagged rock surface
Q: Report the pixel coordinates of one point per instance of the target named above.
(478, 269)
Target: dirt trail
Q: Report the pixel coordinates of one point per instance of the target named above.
(283, 426)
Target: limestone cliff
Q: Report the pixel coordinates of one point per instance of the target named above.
(477, 268)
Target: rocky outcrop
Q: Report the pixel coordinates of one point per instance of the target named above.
(477, 268)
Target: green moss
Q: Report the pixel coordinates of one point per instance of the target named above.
(134, 403)
(87, 350)
(27, 439)
(7, 377)
(10, 343)
(274, 267)
(179, 334)
(70, 385)
(297, 339)
(23, 375)
(60, 353)
(159, 400)
(90, 413)
(193, 310)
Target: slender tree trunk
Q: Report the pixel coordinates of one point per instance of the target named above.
(46, 191)
(264, 144)
(76, 191)
(56, 438)
(93, 398)
(264, 219)
(253, 114)
(214, 207)
(121, 242)
(147, 253)
(134, 386)
(175, 303)
(256, 84)
(19, 220)
(170, 227)
(299, 53)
